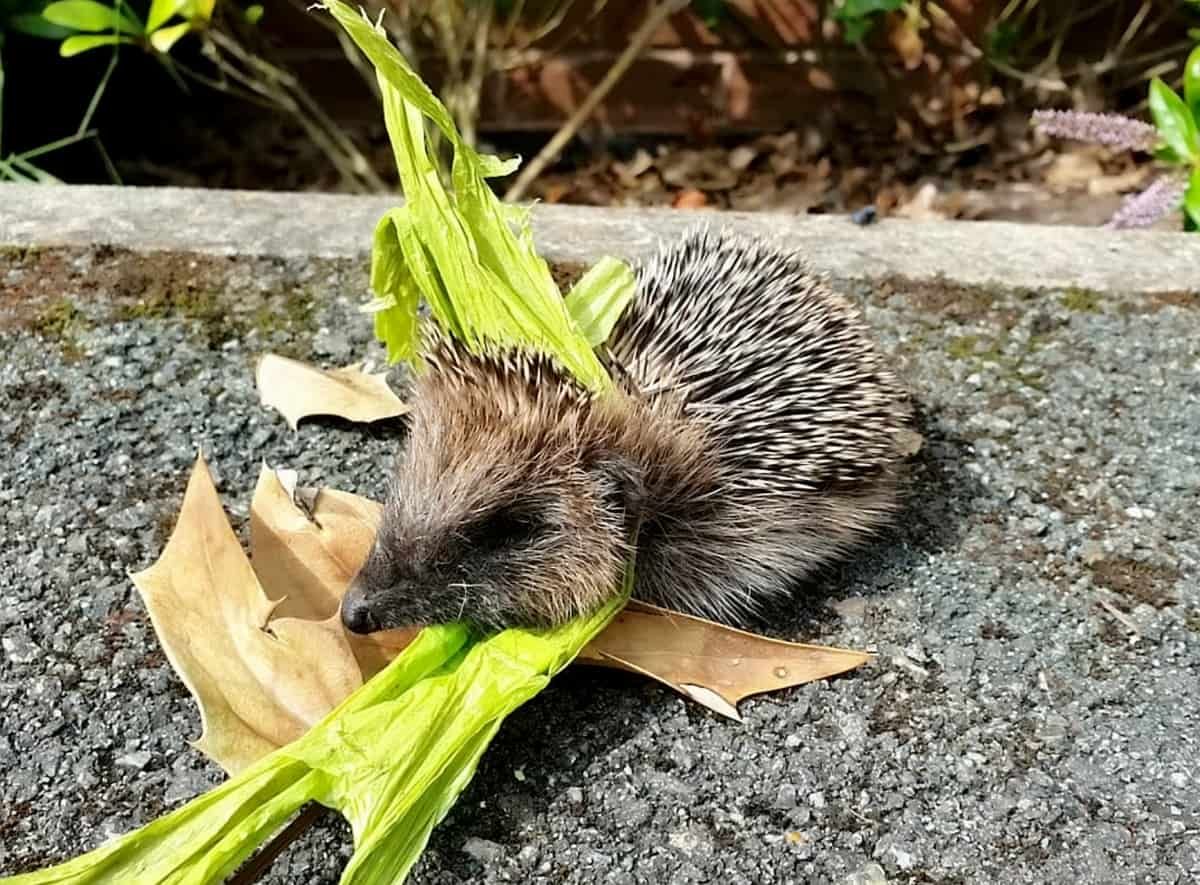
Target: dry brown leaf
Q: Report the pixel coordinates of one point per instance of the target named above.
(690, 199)
(742, 156)
(262, 649)
(628, 173)
(713, 664)
(922, 206)
(1073, 170)
(1121, 182)
(259, 680)
(906, 41)
(306, 554)
(702, 170)
(299, 390)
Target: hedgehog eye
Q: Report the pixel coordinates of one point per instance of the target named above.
(506, 528)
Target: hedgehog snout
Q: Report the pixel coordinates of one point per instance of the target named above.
(357, 615)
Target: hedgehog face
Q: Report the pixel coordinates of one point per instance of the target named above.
(505, 509)
(517, 559)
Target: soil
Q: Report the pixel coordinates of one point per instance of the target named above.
(1020, 176)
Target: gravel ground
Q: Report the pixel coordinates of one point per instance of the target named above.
(1032, 716)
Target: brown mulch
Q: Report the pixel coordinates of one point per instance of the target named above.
(1027, 178)
(1017, 176)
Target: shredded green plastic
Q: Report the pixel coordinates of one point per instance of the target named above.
(484, 281)
(394, 757)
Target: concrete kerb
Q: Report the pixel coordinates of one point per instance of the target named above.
(1012, 256)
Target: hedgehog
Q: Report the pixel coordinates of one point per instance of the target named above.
(752, 436)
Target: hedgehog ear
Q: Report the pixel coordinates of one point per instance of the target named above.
(621, 484)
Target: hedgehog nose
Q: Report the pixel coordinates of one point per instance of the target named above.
(356, 611)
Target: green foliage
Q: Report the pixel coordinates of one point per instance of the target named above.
(26, 17)
(92, 24)
(1000, 40)
(1192, 102)
(1176, 121)
(467, 254)
(597, 301)
(83, 26)
(89, 16)
(711, 12)
(1191, 201)
(857, 17)
(1191, 82)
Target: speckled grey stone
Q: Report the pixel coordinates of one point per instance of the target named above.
(1011, 730)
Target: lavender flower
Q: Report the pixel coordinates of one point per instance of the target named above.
(1113, 130)
(1142, 210)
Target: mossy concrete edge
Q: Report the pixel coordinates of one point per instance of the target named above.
(298, 225)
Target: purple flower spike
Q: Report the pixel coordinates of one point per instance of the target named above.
(1142, 210)
(1112, 130)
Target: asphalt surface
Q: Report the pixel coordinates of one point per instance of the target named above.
(1033, 716)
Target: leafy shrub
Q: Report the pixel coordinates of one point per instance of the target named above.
(1174, 140)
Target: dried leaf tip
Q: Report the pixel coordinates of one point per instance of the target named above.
(299, 390)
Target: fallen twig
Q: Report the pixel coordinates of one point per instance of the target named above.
(637, 43)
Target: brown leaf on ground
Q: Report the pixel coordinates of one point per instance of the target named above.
(628, 173)
(258, 679)
(703, 170)
(259, 642)
(1073, 170)
(907, 42)
(690, 199)
(712, 664)
(305, 555)
(299, 390)
(923, 206)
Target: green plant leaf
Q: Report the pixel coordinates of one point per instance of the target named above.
(1191, 82)
(162, 11)
(83, 42)
(857, 17)
(711, 12)
(165, 38)
(1191, 198)
(494, 167)
(253, 14)
(999, 42)
(483, 280)
(200, 10)
(597, 301)
(88, 15)
(1164, 154)
(395, 324)
(34, 25)
(1174, 121)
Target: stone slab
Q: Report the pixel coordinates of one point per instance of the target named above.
(1015, 256)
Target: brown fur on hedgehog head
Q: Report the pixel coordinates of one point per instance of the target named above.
(516, 497)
